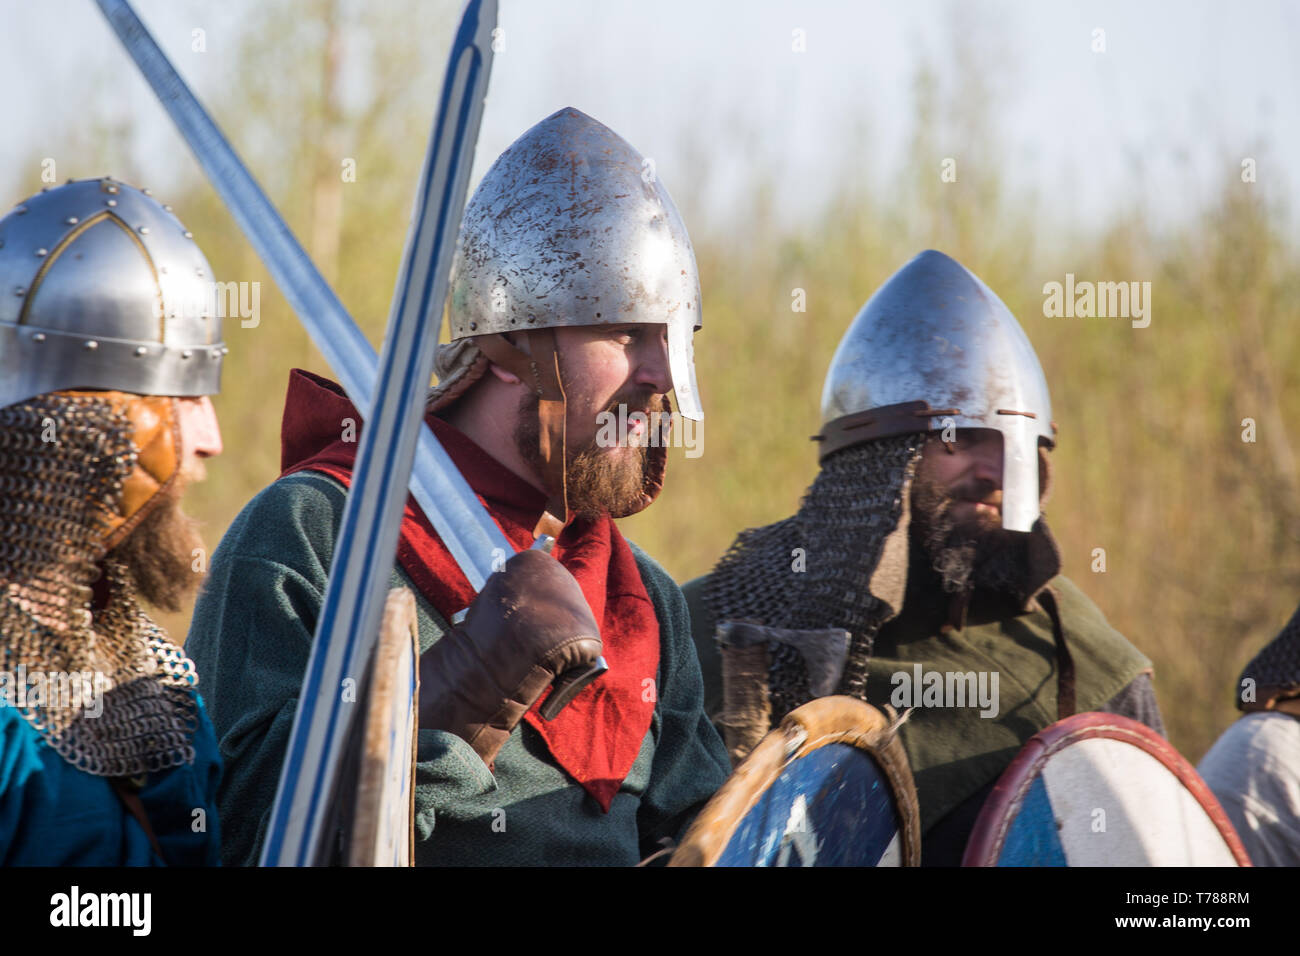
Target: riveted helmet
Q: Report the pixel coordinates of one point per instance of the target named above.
(934, 345)
(101, 287)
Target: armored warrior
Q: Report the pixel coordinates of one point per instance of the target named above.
(574, 292)
(109, 348)
(918, 571)
(1254, 767)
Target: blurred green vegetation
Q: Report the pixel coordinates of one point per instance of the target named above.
(1199, 528)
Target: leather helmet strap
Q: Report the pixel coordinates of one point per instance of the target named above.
(540, 371)
(552, 439)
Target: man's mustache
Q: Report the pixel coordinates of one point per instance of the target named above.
(979, 491)
(641, 400)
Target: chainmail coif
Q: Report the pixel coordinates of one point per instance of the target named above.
(63, 461)
(855, 503)
(1276, 669)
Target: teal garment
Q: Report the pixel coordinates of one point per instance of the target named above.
(251, 637)
(52, 814)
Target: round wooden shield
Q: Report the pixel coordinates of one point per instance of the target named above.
(382, 827)
(830, 787)
(1102, 790)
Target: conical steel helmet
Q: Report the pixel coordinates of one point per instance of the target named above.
(570, 227)
(101, 287)
(934, 343)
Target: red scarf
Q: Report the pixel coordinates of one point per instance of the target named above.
(597, 737)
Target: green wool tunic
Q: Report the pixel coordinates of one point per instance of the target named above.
(250, 640)
(954, 752)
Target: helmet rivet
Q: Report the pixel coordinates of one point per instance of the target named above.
(473, 326)
(144, 230)
(20, 210)
(198, 272)
(110, 189)
(225, 350)
(71, 220)
(141, 350)
(146, 192)
(162, 270)
(186, 354)
(215, 353)
(42, 252)
(20, 291)
(45, 189)
(188, 234)
(167, 208)
(111, 202)
(91, 345)
(38, 338)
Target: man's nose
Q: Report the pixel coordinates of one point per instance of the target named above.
(988, 461)
(653, 370)
(204, 430)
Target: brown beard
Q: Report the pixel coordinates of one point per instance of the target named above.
(964, 556)
(159, 551)
(598, 481)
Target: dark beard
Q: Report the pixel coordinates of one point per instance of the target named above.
(962, 557)
(598, 481)
(159, 551)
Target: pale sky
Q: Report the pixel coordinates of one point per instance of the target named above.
(1180, 86)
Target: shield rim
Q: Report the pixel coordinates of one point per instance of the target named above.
(989, 833)
(810, 727)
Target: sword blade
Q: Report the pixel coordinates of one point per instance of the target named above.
(348, 626)
(461, 521)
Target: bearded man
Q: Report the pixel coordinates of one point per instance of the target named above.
(574, 292)
(108, 350)
(920, 547)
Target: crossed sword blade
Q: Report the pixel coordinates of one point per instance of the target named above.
(393, 437)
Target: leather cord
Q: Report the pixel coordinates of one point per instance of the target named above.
(130, 798)
(1065, 701)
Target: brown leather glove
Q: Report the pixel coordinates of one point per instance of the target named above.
(528, 625)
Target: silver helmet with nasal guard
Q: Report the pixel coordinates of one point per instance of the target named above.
(935, 347)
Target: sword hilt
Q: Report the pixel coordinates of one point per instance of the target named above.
(569, 685)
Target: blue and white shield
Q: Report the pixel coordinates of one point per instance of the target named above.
(830, 787)
(1102, 790)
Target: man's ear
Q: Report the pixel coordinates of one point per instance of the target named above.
(510, 378)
